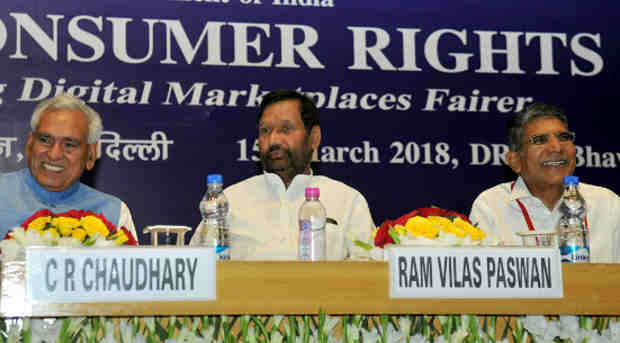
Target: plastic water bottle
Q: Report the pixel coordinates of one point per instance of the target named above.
(572, 233)
(213, 229)
(312, 216)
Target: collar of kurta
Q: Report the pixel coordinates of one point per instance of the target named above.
(298, 184)
(519, 190)
(46, 196)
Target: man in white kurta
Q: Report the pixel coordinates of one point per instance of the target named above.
(264, 208)
(497, 210)
(542, 153)
(263, 217)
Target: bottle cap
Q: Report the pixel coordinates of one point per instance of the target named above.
(312, 192)
(214, 178)
(571, 180)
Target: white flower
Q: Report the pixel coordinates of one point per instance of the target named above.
(47, 236)
(19, 234)
(371, 336)
(592, 336)
(25, 323)
(353, 333)
(185, 334)
(378, 254)
(196, 339)
(251, 335)
(109, 337)
(534, 324)
(491, 239)
(75, 324)
(13, 334)
(459, 335)
(195, 324)
(418, 338)
(45, 329)
(276, 337)
(330, 324)
(614, 331)
(394, 336)
(579, 336)
(69, 242)
(207, 335)
(126, 330)
(101, 242)
(449, 239)
(32, 237)
(139, 338)
(404, 323)
(569, 326)
(149, 322)
(88, 332)
(541, 340)
(276, 320)
(553, 331)
(11, 249)
(542, 329)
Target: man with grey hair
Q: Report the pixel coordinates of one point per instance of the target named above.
(62, 144)
(542, 153)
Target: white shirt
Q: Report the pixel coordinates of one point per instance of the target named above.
(496, 210)
(263, 216)
(125, 220)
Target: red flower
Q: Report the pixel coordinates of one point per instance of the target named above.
(402, 220)
(383, 237)
(132, 240)
(432, 212)
(454, 214)
(78, 214)
(37, 214)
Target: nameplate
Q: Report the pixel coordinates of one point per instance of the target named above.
(470, 272)
(70, 275)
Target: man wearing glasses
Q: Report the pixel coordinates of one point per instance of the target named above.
(62, 144)
(542, 152)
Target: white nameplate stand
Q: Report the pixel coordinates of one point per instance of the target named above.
(73, 275)
(474, 272)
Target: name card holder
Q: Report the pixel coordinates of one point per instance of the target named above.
(474, 272)
(123, 274)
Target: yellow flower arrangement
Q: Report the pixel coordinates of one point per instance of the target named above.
(75, 227)
(429, 223)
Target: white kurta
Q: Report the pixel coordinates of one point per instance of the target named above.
(263, 216)
(496, 210)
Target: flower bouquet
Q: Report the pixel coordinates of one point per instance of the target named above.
(429, 226)
(75, 228)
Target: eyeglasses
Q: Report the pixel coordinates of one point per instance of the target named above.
(563, 137)
(67, 143)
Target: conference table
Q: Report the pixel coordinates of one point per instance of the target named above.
(347, 288)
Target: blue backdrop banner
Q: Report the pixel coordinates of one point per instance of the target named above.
(414, 96)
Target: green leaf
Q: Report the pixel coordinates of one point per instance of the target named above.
(394, 235)
(261, 326)
(362, 245)
(161, 332)
(306, 330)
(63, 335)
